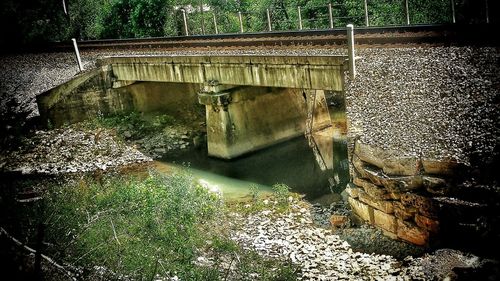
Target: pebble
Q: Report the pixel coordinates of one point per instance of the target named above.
(70, 150)
(322, 255)
(436, 102)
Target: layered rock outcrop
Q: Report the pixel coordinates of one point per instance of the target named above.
(414, 199)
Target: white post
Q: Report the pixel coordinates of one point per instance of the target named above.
(77, 54)
(487, 12)
(64, 7)
(367, 23)
(269, 27)
(407, 13)
(300, 18)
(241, 21)
(215, 25)
(202, 18)
(453, 11)
(330, 14)
(186, 32)
(350, 50)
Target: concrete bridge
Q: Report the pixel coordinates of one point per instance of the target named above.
(318, 72)
(251, 101)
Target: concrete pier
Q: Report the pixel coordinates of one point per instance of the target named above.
(244, 119)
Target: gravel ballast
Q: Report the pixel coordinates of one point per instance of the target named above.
(70, 150)
(440, 103)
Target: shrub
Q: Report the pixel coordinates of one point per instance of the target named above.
(282, 193)
(131, 226)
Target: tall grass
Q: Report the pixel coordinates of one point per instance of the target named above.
(132, 123)
(113, 227)
(135, 227)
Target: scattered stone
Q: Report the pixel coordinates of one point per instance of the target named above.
(323, 255)
(71, 150)
(339, 221)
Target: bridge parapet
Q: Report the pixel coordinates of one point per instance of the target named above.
(304, 72)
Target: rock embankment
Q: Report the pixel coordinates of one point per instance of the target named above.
(322, 255)
(437, 102)
(424, 125)
(70, 150)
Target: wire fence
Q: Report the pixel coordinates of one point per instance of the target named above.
(335, 14)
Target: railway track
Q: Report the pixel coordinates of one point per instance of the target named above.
(364, 36)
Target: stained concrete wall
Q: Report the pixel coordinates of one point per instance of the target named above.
(255, 116)
(258, 117)
(305, 72)
(93, 94)
(176, 99)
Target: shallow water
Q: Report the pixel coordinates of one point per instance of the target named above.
(293, 163)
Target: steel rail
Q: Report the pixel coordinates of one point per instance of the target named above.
(391, 35)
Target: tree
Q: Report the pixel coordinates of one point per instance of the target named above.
(86, 18)
(32, 21)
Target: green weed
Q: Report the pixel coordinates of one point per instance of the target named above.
(138, 229)
(132, 125)
(129, 225)
(282, 193)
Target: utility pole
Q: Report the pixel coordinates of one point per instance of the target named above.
(215, 24)
(350, 51)
(487, 11)
(241, 21)
(330, 15)
(64, 7)
(269, 27)
(186, 32)
(77, 53)
(453, 11)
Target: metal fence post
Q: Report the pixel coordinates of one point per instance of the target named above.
(350, 50)
(367, 23)
(407, 13)
(215, 24)
(269, 27)
(80, 66)
(202, 18)
(330, 15)
(300, 18)
(186, 32)
(64, 7)
(453, 11)
(241, 21)
(487, 11)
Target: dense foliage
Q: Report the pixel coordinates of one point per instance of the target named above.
(150, 227)
(31, 21)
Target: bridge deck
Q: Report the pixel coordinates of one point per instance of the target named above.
(306, 72)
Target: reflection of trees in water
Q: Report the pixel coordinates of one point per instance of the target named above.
(291, 163)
